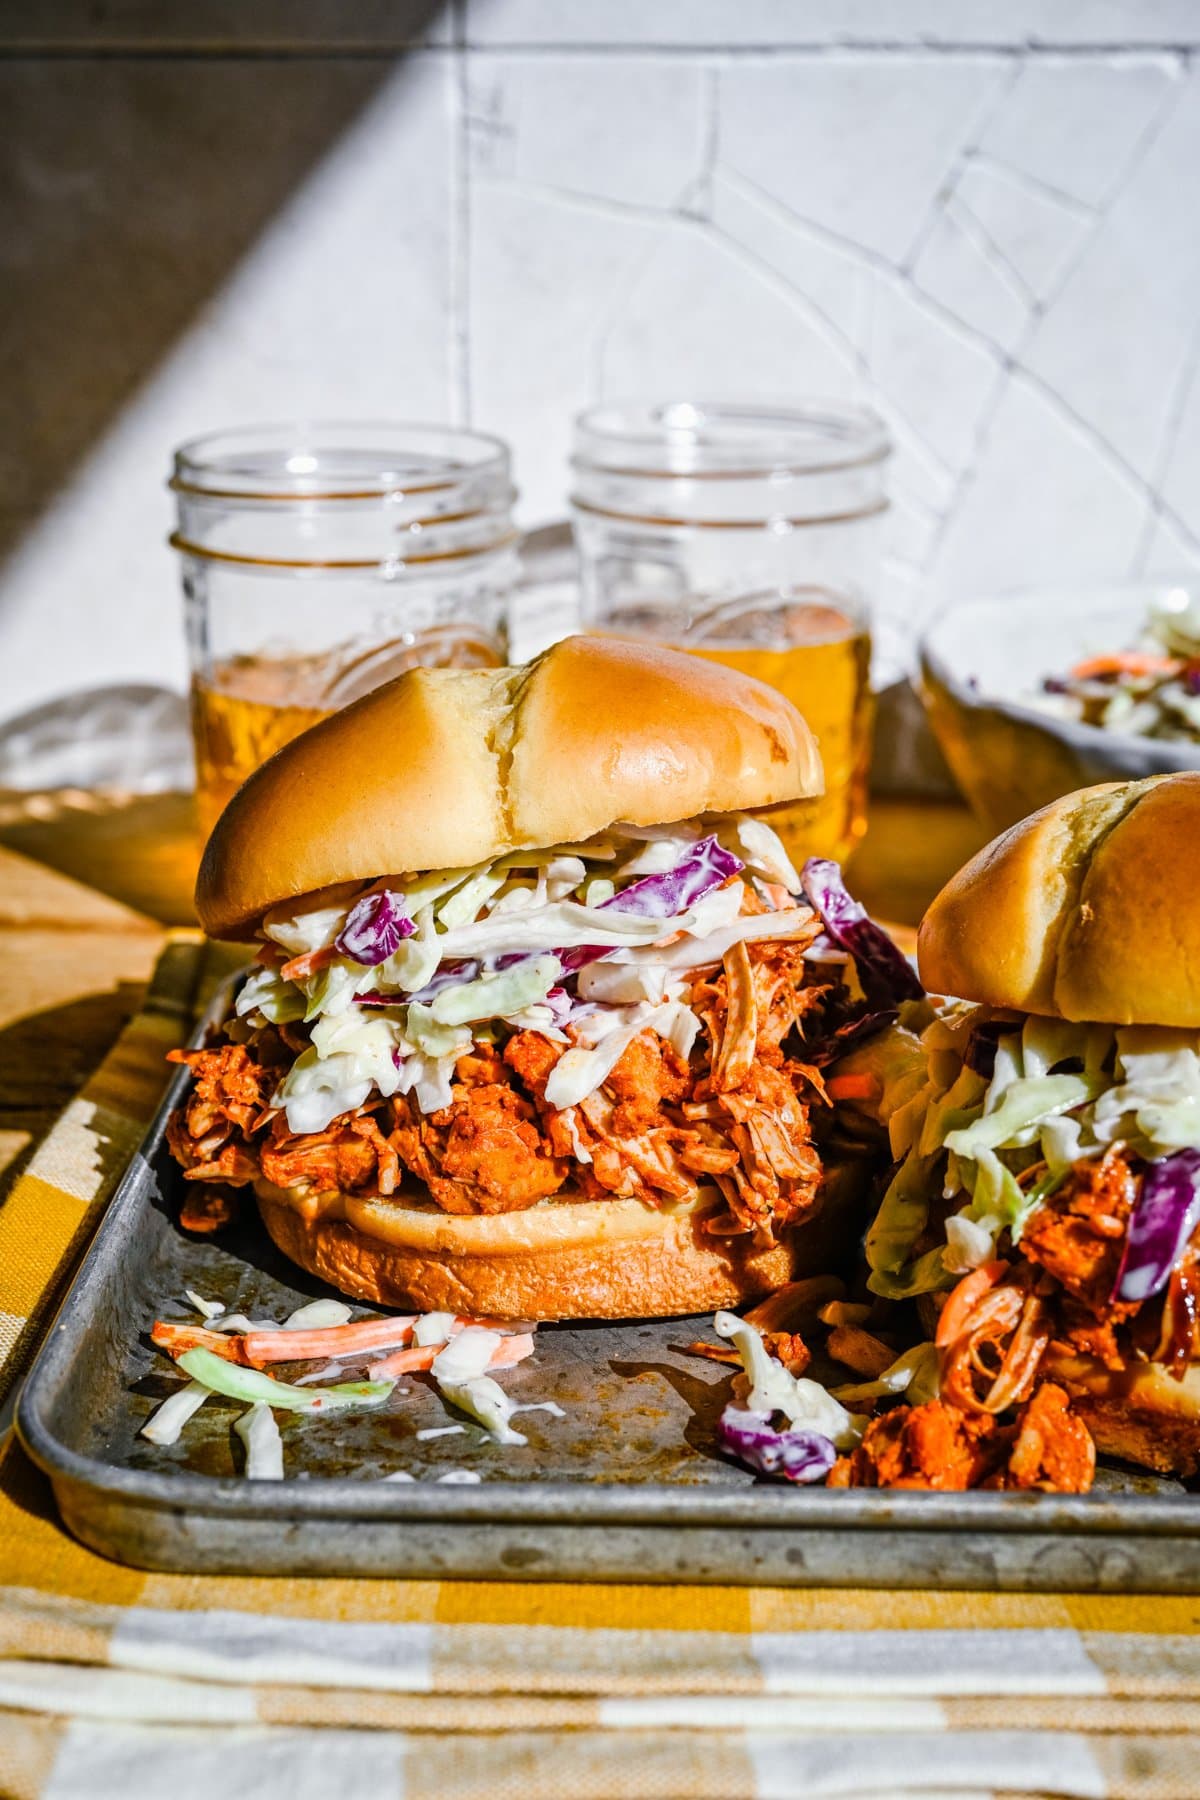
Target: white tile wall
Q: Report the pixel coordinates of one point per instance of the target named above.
(983, 216)
(785, 23)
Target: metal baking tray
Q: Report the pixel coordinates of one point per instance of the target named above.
(628, 1486)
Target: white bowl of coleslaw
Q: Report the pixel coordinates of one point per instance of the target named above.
(1015, 688)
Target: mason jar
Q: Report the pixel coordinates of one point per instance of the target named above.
(748, 534)
(321, 560)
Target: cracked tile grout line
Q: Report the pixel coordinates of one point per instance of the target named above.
(1180, 62)
(989, 108)
(1096, 220)
(873, 263)
(837, 341)
(827, 328)
(1156, 510)
(906, 431)
(1011, 366)
(969, 472)
(1181, 68)
(600, 205)
(1038, 186)
(1000, 256)
(960, 216)
(678, 213)
(710, 135)
(962, 478)
(909, 438)
(867, 258)
(1014, 368)
(994, 254)
(994, 259)
(460, 262)
(624, 289)
(841, 49)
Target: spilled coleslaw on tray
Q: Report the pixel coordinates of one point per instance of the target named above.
(227, 1355)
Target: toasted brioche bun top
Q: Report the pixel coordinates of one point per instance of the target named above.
(444, 768)
(1087, 910)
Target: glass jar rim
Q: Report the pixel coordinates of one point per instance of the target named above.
(723, 440)
(335, 459)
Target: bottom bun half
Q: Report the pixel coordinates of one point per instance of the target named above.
(1140, 1414)
(606, 1259)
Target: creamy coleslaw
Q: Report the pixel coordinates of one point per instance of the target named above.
(397, 983)
(1007, 1106)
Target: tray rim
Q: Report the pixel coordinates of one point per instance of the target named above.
(553, 1502)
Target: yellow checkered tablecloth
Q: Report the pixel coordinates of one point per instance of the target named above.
(117, 1682)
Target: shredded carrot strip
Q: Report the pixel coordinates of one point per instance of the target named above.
(332, 1340)
(175, 1339)
(405, 1362)
(254, 1349)
(1126, 662)
(508, 1351)
(722, 1353)
(301, 967)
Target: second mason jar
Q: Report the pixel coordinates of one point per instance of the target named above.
(748, 534)
(321, 560)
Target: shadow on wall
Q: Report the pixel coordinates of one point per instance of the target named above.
(132, 181)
